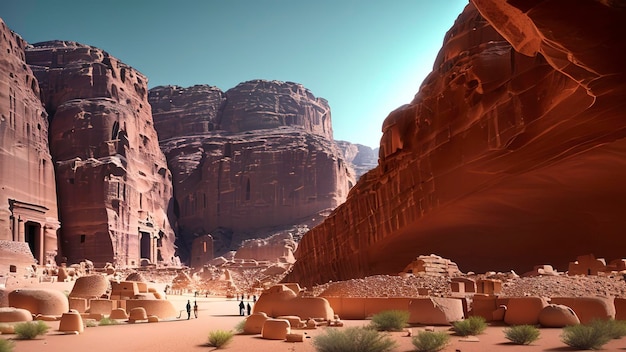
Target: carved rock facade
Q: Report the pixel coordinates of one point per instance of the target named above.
(512, 153)
(112, 179)
(246, 161)
(28, 199)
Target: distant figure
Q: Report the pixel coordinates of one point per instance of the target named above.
(188, 309)
(254, 298)
(248, 308)
(195, 309)
(242, 308)
(242, 296)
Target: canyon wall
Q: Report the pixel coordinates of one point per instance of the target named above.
(28, 199)
(511, 154)
(249, 160)
(361, 157)
(113, 184)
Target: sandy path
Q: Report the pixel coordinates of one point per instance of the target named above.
(221, 313)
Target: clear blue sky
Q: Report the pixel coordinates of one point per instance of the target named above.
(366, 57)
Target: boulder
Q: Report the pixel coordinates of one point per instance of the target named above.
(11, 314)
(557, 316)
(254, 323)
(39, 301)
(435, 311)
(588, 308)
(524, 310)
(275, 329)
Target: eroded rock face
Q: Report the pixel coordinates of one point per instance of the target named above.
(502, 160)
(113, 182)
(361, 157)
(259, 156)
(28, 204)
(277, 247)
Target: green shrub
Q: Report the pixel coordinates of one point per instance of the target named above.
(522, 334)
(108, 321)
(239, 327)
(390, 320)
(474, 325)
(615, 329)
(353, 339)
(6, 345)
(90, 323)
(220, 338)
(427, 341)
(584, 337)
(31, 329)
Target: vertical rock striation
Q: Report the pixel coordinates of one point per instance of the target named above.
(257, 157)
(28, 199)
(511, 154)
(113, 183)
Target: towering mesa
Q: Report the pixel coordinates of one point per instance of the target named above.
(113, 183)
(28, 199)
(512, 153)
(246, 161)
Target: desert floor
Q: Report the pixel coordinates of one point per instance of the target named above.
(221, 313)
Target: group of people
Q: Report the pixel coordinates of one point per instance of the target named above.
(244, 308)
(195, 309)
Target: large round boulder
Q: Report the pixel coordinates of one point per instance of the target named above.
(92, 286)
(11, 314)
(557, 316)
(39, 301)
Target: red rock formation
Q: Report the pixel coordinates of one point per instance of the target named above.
(112, 179)
(28, 204)
(502, 160)
(279, 247)
(239, 176)
(361, 157)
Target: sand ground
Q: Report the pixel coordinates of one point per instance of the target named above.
(221, 313)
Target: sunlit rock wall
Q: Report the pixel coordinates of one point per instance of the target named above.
(28, 199)
(113, 183)
(246, 161)
(504, 159)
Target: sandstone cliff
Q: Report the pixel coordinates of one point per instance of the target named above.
(244, 162)
(512, 152)
(361, 157)
(113, 183)
(28, 199)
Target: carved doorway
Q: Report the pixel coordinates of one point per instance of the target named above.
(31, 236)
(145, 245)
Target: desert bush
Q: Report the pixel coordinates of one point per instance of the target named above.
(90, 323)
(474, 325)
(615, 329)
(353, 339)
(522, 334)
(220, 338)
(108, 321)
(428, 341)
(30, 330)
(390, 320)
(584, 337)
(6, 345)
(239, 327)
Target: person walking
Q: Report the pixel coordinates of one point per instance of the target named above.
(248, 308)
(195, 309)
(188, 309)
(242, 308)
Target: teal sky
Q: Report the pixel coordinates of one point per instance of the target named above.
(366, 57)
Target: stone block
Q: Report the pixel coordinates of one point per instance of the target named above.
(101, 306)
(588, 308)
(71, 322)
(484, 306)
(294, 321)
(524, 310)
(294, 338)
(78, 304)
(489, 286)
(137, 313)
(254, 323)
(275, 329)
(118, 314)
(586, 265)
(161, 308)
(435, 311)
(124, 289)
(557, 316)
